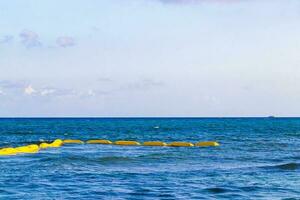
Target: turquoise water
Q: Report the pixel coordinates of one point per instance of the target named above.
(258, 159)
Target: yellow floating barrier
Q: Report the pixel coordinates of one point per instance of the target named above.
(8, 152)
(70, 141)
(207, 144)
(154, 143)
(181, 144)
(99, 142)
(44, 145)
(28, 149)
(127, 143)
(57, 143)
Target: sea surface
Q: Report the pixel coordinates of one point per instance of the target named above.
(259, 158)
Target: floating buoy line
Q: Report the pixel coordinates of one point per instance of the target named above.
(35, 148)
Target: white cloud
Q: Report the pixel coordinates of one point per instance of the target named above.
(6, 39)
(10, 84)
(104, 79)
(144, 84)
(91, 93)
(48, 91)
(65, 41)
(29, 90)
(1, 92)
(30, 38)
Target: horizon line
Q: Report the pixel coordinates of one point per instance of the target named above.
(149, 117)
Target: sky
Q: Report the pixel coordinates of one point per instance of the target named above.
(149, 58)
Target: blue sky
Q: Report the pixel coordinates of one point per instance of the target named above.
(149, 58)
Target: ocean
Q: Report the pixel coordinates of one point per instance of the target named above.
(258, 158)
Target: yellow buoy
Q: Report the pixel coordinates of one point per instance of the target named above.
(99, 142)
(44, 145)
(28, 149)
(8, 151)
(207, 144)
(127, 143)
(154, 143)
(181, 144)
(57, 143)
(70, 141)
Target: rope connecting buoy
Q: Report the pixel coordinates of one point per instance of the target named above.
(99, 142)
(181, 144)
(70, 141)
(127, 143)
(154, 143)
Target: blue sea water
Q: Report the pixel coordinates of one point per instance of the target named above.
(258, 159)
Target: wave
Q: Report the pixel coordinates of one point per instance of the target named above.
(54, 158)
(109, 159)
(289, 166)
(293, 134)
(286, 166)
(216, 190)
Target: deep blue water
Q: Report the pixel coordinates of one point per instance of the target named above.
(259, 158)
